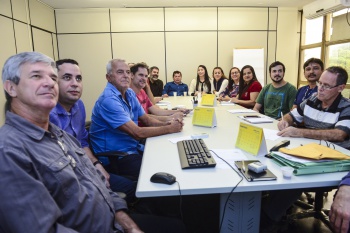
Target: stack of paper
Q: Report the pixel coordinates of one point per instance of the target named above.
(304, 166)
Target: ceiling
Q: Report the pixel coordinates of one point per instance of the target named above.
(68, 4)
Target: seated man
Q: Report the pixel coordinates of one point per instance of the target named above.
(51, 185)
(114, 122)
(276, 99)
(138, 83)
(313, 69)
(176, 86)
(69, 114)
(155, 83)
(326, 116)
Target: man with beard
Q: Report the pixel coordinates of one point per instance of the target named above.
(276, 98)
(155, 83)
(313, 69)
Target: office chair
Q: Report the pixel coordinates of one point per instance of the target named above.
(314, 209)
(111, 155)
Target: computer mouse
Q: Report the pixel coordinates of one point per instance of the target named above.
(163, 178)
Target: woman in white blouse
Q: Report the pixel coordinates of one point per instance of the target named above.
(202, 83)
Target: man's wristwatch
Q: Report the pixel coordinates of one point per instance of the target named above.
(97, 162)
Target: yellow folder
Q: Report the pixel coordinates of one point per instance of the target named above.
(315, 151)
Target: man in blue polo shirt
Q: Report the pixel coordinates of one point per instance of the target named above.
(114, 122)
(177, 86)
(313, 69)
(69, 114)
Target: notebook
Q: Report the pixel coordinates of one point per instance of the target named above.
(256, 119)
(252, 176)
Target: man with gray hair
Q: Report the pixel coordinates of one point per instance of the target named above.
(114, 122)
(323, 116)
(49, 184)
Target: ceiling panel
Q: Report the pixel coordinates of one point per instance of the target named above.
(64, 4)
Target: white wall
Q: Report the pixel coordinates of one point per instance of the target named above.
(174, 39)
(17, 26)
(170, 38)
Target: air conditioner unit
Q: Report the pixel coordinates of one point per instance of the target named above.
(322, 7)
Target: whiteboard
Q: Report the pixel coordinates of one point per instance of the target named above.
(253, 57)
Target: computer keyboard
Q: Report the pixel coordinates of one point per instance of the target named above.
(194, 154)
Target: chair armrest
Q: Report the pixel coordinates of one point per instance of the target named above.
(112, 154)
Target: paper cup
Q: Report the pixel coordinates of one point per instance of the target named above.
(175, 93)
(287, 172)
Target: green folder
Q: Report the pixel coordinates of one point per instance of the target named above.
(313, 167)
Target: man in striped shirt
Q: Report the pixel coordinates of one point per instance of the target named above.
(325, 115)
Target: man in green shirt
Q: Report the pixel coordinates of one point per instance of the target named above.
(276, 98)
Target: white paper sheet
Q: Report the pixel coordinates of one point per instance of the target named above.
(271, 134)
(241, 111)
(230, 156)
(227, 103)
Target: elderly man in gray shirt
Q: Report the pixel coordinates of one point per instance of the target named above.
(48, 183)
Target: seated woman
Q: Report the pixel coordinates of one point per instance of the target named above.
(233, 85)
(202, 83)
(249, 88)
(220, 81)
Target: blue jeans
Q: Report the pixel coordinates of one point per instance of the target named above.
(124, 173)
(128, 166)
(124, 185)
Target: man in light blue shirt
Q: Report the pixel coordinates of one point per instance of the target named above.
(114, 122)
(177, 86)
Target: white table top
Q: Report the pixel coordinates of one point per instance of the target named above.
(161, 155)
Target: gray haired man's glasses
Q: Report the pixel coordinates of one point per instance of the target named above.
(325, 86)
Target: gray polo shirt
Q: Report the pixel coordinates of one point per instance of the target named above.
(48, 187)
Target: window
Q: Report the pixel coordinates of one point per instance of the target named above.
(333, 48)
(314, 31)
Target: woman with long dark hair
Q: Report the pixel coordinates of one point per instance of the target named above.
(249, 88)
(202, 83)
(233, 85)
(220, 81)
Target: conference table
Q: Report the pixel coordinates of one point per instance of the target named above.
(239, 210)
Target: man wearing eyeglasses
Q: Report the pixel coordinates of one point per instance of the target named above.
(325, 115)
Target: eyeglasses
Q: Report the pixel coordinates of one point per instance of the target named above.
(235, 72)
(325, 86)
